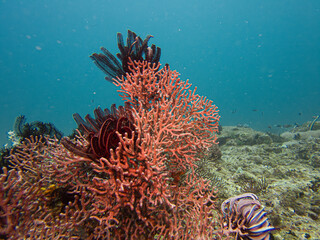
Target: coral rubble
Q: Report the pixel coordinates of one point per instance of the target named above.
(282, 170)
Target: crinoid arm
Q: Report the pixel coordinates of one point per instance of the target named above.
(135, 49)
(108, 64)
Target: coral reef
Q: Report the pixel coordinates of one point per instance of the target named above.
(132, 172)
(131, 176)
(28, 208)
(284, 172)
(23, 131)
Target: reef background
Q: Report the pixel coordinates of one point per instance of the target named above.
(284, 171)
(257, 60)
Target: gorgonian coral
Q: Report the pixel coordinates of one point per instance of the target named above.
(138, 185)
(130, 171)
(179, 122)
(34, 202)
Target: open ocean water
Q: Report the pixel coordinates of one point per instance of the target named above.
(259, 61)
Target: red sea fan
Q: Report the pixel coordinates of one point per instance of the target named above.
(180, 124)
(245, 218)
(130, 174)
(138, 189)
(34, 202)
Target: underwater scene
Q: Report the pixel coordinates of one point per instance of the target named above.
(160, 119)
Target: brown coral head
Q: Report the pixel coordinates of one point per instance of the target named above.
(245, 218)
(102, 132)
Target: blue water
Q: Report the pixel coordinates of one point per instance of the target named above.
(259, 61)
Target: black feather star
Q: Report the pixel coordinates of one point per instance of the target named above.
(102, 131)
(136, 50)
